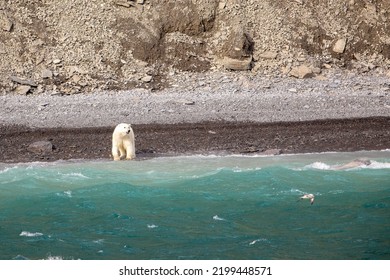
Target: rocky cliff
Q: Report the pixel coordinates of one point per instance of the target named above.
(74, 46)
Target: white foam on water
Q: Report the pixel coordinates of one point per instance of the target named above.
(65, 193)
(7, 169)
(377, 165)
(30, 234)
(152, 226)
(318, 165)
(73, 175)
(339, 167)
(54, 258)
(264, 240)
(217, 218)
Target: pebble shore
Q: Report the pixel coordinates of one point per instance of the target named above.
(197, 98)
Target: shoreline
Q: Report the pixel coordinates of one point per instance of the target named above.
(221, 138)
(222, 112)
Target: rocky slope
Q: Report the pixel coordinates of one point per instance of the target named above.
(69, 46)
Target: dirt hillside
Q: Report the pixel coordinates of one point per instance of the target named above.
(74, 46)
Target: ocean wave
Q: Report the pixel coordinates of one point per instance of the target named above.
(377, 165)
(152, 226)
(54, 258)
(348, 166)
(217, 218)
(30, 234)
(239, 170)
(76, 175)
(318, 165)
(65, 193)
(263, 240)
(7, 169)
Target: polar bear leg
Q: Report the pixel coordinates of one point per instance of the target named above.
(122, 152)
(115, 153)
(130, 150)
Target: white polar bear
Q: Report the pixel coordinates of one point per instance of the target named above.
(123, 142)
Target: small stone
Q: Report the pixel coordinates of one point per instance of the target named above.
(147, 79)
(40, 147)
(222, 5)
(189, 102)
(5, 23)
(339, 46)
(211, 132)
(23, 89)
(272, 152)
(327, 66)
(237, 64)
(269, 55)
(57, 61)
(317, 70)
(124, 3)
(23, 81)
(46, 74)
(76, 78)
(141, 2)
(301, 72)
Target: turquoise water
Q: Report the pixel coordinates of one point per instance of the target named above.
(197, 207)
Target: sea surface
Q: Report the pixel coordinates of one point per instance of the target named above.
(198, 207)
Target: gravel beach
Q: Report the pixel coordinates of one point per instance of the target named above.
(218, 112)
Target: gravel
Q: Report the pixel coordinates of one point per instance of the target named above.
(219, 96)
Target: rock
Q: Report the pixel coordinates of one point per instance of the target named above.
(237, 64)
(5, 23)
(339, 46)
(40, 147)
(301, 72)
(189, 102)
(76, 79)
(23, 81)
(272, 152)
(57, 61)
(316, 70)
(222, 5)
(147, 79)
(141, 2)
(23, 89)
(250, 150)
(124, 3)
(268, 55)
(46, 73)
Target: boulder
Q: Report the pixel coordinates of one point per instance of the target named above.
(5, 23)
(23, 89)
(272, 152)
(268, 55)
(40, 147)
(237, 64)
(46, 73)
(339, 46)
(301, 72)
(23, 81)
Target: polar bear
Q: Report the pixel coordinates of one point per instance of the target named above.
(123, 142)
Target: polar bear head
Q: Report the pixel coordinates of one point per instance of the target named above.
(123, 129)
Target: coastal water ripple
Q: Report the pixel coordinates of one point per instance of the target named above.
(198, 207)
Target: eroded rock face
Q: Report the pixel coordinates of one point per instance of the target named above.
(71, 46)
